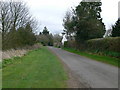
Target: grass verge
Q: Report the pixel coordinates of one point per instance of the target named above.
(105, 59)
(38, 69)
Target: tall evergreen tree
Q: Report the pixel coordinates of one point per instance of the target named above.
(116, 29)
(45, 31)
(89, 22)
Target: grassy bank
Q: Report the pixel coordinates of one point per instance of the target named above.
(38, 69)
(105, 59)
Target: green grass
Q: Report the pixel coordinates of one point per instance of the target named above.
(38, 69)
(1, 79)
(105, 59)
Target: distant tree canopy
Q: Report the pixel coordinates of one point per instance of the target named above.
(57, 40)
(17, 25)
(85, 22)
(116, 29)
(45, 37)
(45, 31)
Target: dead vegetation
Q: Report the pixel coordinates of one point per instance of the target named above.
(18, 52)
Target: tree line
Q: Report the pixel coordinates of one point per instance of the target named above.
(47, 39)
(17, 25)
(85, 22)
(85, 30)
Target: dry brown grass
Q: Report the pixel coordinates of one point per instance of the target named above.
(19, 52)
(13, 53)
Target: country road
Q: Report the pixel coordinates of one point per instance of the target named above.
(91, 73)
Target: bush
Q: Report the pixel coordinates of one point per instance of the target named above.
(66, 44)
(70, 44)
(45, 40)
(19, 38)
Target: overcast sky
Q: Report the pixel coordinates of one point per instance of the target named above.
(50, 13)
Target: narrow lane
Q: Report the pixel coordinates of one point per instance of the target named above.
(92, 73)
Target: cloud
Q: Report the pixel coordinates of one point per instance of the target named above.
(109, 12)
(50, 13)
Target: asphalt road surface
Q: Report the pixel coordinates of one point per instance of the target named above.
(91, 73)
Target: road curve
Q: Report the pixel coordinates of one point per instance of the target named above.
(91, 73)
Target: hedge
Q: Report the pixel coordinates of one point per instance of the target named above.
(104, 44)
(70, 44)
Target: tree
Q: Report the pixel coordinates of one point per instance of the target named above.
(57, 40)
(69, 24)
(45, 31)
(89, 22)
(19, 14)
(116, 29)
(4, 18)
(14, 15)
(50, 37)
(45, 38)
(15, 21)
(84, 22)
(25, 35)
